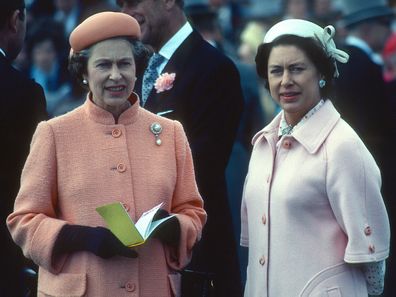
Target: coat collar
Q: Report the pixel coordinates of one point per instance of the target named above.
(311, 134)
(102, 116)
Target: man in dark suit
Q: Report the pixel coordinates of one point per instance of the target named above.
(22, 107)
(206, 98)
(361, 98)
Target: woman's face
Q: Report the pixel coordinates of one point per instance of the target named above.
(293, 81)
(111, 74)
(44, 55)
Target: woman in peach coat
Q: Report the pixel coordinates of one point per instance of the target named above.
(107, 150)
(312, 212)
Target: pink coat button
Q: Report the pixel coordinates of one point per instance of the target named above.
(130, 287)
(287, 144)
(126, 206)
(121, 167)
(116, 133)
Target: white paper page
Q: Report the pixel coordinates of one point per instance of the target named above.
(144, 221)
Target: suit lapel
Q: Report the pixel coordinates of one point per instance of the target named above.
(166, 101)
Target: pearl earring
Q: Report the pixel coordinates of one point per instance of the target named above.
(322, 83)
(85, 82)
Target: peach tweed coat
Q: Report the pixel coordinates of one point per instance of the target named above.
(84, 159)
(311, 206)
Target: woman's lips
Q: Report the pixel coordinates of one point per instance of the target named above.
(290, 96)
(115, 90)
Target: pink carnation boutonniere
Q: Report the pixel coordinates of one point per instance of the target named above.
(164, 82)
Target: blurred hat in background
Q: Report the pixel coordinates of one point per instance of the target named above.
(262, 10)
(357, 11)
(199, 8)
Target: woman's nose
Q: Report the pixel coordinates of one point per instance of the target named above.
(115, 73)
(286, 78)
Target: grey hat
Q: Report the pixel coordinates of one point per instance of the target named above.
(356, 11)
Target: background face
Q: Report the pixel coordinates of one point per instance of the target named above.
(44, 55)
(293, 81)
(111, 73)
(151, 16)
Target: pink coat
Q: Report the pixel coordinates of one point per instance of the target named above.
(84, 159)
(311, 206)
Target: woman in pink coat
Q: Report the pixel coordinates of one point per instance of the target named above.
(107, 150)
(312, 212)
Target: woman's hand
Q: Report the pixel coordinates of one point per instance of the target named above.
(169, 231)
(104, 244)
(97, 240)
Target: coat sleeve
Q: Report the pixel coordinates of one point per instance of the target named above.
(187, 204)
(33, 223)
(354, 190)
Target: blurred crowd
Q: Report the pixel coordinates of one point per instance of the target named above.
(235, 27)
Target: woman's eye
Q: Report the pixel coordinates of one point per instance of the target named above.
(125, 64)
(296, 69)
(103, 65)
(276, 71)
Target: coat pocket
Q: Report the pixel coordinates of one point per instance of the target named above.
(62, 284)
(175, 284)
(341, 280)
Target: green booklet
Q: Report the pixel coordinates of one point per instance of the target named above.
(121, 225)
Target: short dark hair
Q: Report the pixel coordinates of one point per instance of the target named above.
(78, 61)
(309, 46)
(120, 3)
(7, 7)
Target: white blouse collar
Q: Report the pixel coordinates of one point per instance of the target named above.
(286, 129)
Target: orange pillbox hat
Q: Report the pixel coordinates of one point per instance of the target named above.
(102, 26)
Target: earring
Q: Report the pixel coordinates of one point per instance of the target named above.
(322, 83)
(84, 81)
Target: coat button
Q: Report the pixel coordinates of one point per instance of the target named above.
(287, 144)
(264, 219)
(121, 167)
(372, 248)
(116, 133)
(367, 230)
(262, 261)
(130, 287)
(126, 206)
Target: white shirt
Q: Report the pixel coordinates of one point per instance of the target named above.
(285, 126)
(173, 44)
